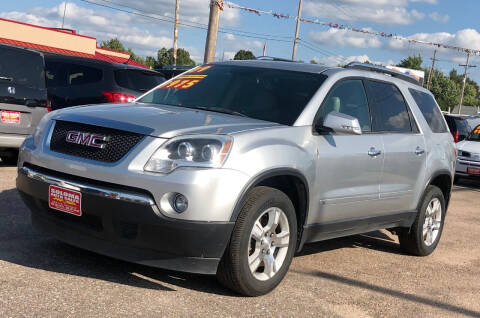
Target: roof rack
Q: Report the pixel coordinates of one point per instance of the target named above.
(381, 69)
(271, 58)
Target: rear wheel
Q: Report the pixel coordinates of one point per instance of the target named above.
(423, 237)
(262, 244)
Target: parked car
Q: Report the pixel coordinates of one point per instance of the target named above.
(468, 161)
(73, 81)
(459, 126)
(23, 96)
(32, 84)
(232, 167)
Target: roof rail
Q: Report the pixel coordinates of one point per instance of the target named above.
(271, 58)
(381, 69)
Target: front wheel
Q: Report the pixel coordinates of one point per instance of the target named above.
(262, 244)
(423, 237)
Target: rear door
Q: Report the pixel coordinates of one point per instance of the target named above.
(404, 145)
(23, 97)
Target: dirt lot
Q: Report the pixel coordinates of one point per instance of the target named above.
(360, 276)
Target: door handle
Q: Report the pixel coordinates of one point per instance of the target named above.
(419, 151)
(374, 152)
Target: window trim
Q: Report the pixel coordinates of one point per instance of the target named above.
(334, 86)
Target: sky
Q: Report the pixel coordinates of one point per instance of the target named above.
(454, 22)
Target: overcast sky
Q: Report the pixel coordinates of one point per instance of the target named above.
(445, 21)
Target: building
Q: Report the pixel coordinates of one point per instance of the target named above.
(58, 41)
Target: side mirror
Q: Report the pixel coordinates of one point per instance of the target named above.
(342, 123)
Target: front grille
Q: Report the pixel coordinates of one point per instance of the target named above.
(116, 147)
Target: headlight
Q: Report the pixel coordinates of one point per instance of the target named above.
(204, 151)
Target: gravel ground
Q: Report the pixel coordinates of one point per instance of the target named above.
(360, 276)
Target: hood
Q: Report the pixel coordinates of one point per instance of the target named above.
(470, 146)
(159, 120)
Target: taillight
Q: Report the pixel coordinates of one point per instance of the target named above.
(115, 97)
(49, 106)
(456, 136)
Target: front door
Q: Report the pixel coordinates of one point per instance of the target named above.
(348, 167)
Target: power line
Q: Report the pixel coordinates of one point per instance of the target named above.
(145, 14)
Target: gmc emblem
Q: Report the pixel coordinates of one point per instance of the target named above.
(86, 139)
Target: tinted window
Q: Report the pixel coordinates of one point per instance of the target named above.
(267, 94)
(80, 74)
(22, 68)
(137, 80)
(348, 98)
(430, 111)
(388, 107)
(68, 74)
(475, 135)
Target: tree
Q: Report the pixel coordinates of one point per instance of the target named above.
(113, 44)
(244, 55)
(313, 62)
(446, 91)
(165, 57)
(116, 45)
(412, 62)
(151, 62)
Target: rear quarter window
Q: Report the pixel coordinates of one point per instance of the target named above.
(22, 68)
(430, 111)
(60, 74)
(137, 80)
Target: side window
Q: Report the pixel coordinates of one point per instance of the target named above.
(430, 111)
(389, 110)
(80, 74)
(348, 98)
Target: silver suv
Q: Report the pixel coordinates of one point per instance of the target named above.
(230, 168)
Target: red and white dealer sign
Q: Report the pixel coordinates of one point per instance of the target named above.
(65, 200)
(9, 117)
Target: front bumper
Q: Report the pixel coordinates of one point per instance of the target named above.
(463, 164)
(123, 223)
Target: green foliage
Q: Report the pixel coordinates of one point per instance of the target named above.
(446, 91)
(313, 62)
(412, 62)
(244, 55)
(165, 57)
(116, 45)
(113, 44)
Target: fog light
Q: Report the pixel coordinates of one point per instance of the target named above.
(180, 203)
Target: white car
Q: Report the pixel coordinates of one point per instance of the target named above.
(468, 161)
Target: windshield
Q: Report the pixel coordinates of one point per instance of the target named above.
(475, 135)
(137, 80)
(261, 93)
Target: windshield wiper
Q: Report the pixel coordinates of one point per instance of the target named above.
(218, 110)
(3, 78)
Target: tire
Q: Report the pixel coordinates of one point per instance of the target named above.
(414, 241)
(234, 271)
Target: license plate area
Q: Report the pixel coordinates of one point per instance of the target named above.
(9, 117)
(474, 171)
(65, 200)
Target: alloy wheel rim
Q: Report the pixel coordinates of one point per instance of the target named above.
(269, 240)
(432, 222)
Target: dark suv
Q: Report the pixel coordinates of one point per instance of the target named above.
(459, 126)
(75, 81)
(23, 96)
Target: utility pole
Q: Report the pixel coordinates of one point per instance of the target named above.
(175, 33)
(464, 82)
(64, 11)
(297, 30)
(215, 7)
(430, 74)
